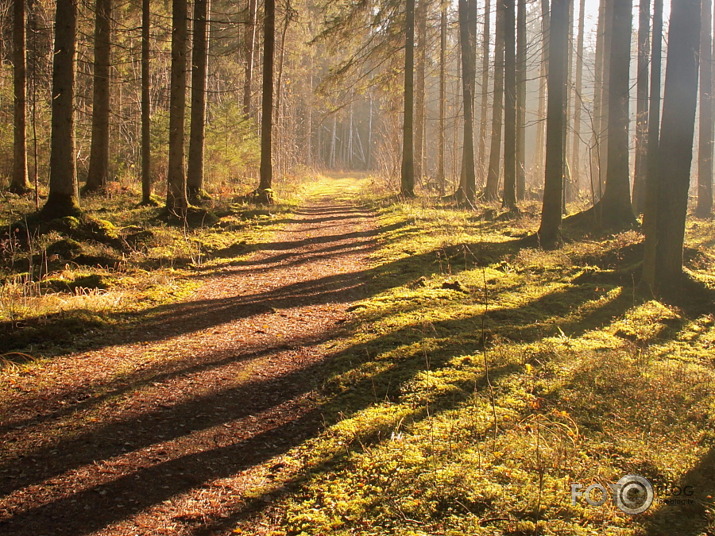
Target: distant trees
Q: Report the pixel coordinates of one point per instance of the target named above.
(62, 199)
(482, 139)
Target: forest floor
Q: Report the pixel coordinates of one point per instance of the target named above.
(360, 366)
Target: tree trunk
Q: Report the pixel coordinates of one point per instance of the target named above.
(199, 69)
(521, 100)
(614, 210)
(541, 112)
(651, 186)
(484, 106)
(19, 183)
(510, 105)
(98, 172)
(578, 99)
(491, 192)
(555, 123)
(333, 143)
(176, 200)
(664, 270)
(600, 104)
(264, 193)
(705, 151)
(608, 30)
(250, 47)
(441, 178)
(641, 168)
(146, 105)
(420, 66)
(62, 200)
(278, 119)
(567, 188)
(407, 183)
(467, 39)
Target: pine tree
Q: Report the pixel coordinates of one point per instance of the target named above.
(62, 199)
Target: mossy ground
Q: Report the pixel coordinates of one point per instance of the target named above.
(482, 379)
(475, 383)
(61, 281)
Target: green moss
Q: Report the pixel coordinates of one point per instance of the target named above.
(65, 248)
(470, 408)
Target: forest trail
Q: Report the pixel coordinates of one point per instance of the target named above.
(171, 426)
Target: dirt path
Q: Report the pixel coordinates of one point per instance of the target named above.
(169, 427)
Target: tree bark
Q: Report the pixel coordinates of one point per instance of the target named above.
(578, 98)
(663, 272)
(641, 166)
(600, 104)
(616, 210)
(510, 105)
(568, 189)
(555, 123)
(176, 199)
(538, 162)
(420, 66)
(608, 30)
(264, 193)
(441, 178)
(98, 172)
(521, 100)
(651, 187)
(467, 39)
(146, 105)
(20, 183)
(278, 109)
(705, 151)
(407, 182)
(484, 106)
(491, 192)
(62, 199)
(250, 46)
(199, 70)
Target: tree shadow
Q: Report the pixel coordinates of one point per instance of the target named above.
(692, 515)
(91, 509)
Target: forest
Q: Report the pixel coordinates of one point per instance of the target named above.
(357, 267)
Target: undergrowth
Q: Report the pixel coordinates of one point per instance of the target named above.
(481, 379)
(65, 282)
